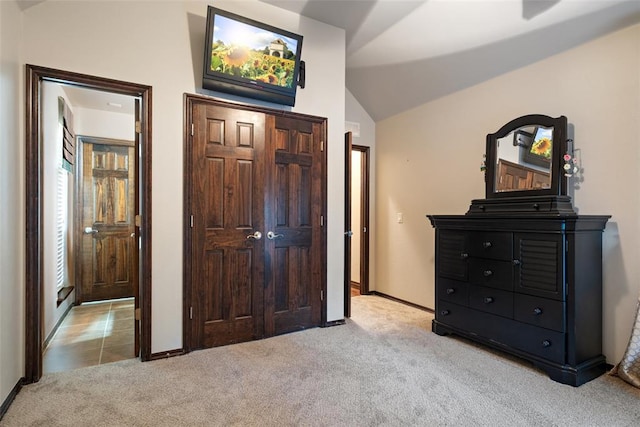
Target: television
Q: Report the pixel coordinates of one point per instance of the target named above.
(541, 148)
(251, 59)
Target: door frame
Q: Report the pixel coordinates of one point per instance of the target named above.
(364, 222)
(364, 216)
(35, 76)
(189, 101)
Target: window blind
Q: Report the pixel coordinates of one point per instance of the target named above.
(68, 136)
(61, 225)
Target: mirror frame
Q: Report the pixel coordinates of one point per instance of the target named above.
(558, 180)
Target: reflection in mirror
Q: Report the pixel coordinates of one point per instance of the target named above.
(523, 159)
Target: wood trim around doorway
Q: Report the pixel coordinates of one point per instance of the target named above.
(35, 75)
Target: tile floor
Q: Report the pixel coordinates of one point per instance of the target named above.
(92, 334)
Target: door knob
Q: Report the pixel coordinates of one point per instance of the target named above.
(90, 230)
(257, 235)
(271, 235)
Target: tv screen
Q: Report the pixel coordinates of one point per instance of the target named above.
(541, 148)
(248, 58)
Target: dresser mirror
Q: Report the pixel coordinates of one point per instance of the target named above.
(524, 158)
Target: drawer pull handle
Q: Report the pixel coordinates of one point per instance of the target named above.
(444, 312)
(464, 256)
(487, 273)
(546, 343)
(537, 311)
(516, 262)
(486, 245)
(450, 291)
(488, 300)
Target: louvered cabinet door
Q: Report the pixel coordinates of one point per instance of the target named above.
(539, 261)
(451, 255)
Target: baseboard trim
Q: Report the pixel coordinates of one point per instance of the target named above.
(55, 328)
(401, 301)
(167, 354)
(12, 395)
(334, 323)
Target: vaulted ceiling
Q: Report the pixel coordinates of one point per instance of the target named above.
(403, 53)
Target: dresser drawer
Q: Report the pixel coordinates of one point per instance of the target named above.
(493, 245)
(541, 312)
(453, 291)
(541, 342)
(494, 301)
(495, 274)
(454, 315)
(503, 332)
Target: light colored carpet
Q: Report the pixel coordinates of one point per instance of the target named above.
(383, 368)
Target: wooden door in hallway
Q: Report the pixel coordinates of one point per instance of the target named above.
(109, 250)
(254, 242)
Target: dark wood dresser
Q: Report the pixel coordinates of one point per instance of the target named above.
(530, 285)
(521, 271)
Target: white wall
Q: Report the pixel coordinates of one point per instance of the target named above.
(356, 114)
(104, 124)
(161, 44)
(11, 199)
(429, 163)
(51, 149)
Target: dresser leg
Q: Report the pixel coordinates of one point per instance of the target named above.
(576, 375)
(438, 329)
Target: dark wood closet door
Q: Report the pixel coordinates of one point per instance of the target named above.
(228, 209)
(294, 244)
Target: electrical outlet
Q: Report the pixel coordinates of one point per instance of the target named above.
(400, 217)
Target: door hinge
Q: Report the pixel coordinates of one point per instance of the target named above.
(191, 313)
(321, 295)
(321, 145)
(192, 129)
(138, 127)
(136, 314)
(191, 221)
(321, 220)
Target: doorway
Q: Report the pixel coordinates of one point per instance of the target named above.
(34, 279)
(356, 221)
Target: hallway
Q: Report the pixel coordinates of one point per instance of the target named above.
(92, 334)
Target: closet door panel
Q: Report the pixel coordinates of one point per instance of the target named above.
(228, 207)
(294, 231)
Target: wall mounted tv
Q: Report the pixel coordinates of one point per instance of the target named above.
(248, 58)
